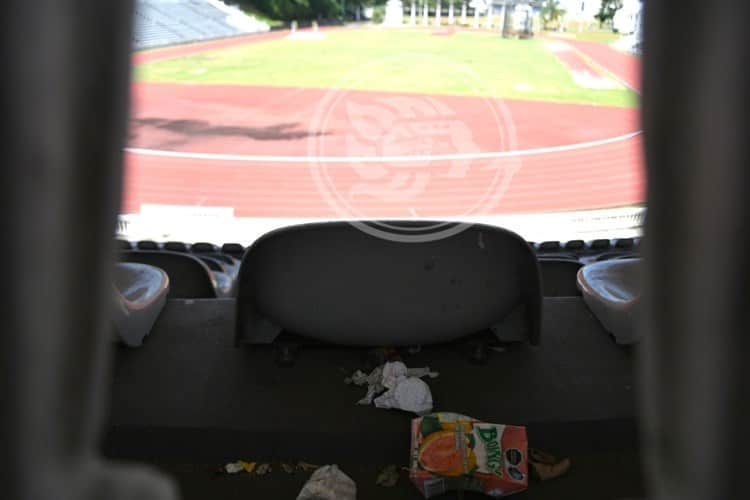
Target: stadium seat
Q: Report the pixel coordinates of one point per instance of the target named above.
(611, 289)
(230, 264)
(211, 263)
(123, 245)
(189, 277)
(575, 245)
(624, 243)
(599, 245)
(334, 283)
(549, 246)
(202, 247)
(234, 249)
(559, 276)
(147, 245)
(225, 259)
(140, 295)
(621, 254)
(175, 246)
(224, 280)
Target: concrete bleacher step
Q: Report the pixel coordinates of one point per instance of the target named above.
(159, 23)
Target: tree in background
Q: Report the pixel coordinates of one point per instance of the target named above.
(378, 5)
(607, 11)
(551, 12)
(289, 10)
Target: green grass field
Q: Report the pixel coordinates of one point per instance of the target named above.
(389, 60)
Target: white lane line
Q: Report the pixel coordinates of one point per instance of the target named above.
(604, 69)
(380, 159)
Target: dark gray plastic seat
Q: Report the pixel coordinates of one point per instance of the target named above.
(334, 283)
(612, 290)
(559, 276)
(224, 281)
(189, 277)
(140, 295)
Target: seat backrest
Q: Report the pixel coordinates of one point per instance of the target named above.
(335, 283)
(212, 263)
(559, 276)
(175, 246)
(189, 278)
(123, 245)
(147, 245)
(221, 257)
(234, 249)
(203, 247)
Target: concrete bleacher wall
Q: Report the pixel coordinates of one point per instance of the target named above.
(168, 22)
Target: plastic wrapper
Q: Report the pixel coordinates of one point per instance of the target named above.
(455, 452)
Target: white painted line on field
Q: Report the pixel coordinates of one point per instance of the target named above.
(381, 159)
(605, 70)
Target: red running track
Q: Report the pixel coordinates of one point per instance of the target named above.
(624, 66)
(246, 124)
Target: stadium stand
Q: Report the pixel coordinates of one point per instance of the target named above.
(169, 22)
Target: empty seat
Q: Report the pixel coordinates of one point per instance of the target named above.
(225, 259)
(332, 282)
(575, 245)
(175, 246)
(123, 245)
(616, 255)
(189, 277)
(224, 280)
(599, 245)
(230, 264)
(611, 289)
(559, 276)
(147, 245)
(549, 246)
(140, 294)
(625, 243)
(202, 247)
(234, 249)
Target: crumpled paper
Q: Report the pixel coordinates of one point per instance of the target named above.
(328, 483)
(373, 381)
(408, 394)
(404, 389)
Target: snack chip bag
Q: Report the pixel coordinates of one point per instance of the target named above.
(451, 451)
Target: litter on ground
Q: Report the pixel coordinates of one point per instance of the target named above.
(328, 483)
(263, 469)
(388, 476)
(398, 387)
(239, 466)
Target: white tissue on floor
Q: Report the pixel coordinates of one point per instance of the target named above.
(328, 483)
(404, 390)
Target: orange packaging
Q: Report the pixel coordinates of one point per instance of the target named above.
(451, 452)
